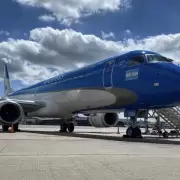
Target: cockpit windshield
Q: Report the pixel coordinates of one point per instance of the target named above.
(157, 58)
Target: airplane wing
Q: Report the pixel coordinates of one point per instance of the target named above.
(28, 106)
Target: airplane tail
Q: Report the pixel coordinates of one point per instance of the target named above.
(7, 86)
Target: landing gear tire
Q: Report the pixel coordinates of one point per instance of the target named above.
(71, 127)
(5, 128)
(129, 132)
(165, 134)
(133, 132)
(64, 127)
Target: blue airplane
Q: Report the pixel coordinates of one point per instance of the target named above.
(133, 82)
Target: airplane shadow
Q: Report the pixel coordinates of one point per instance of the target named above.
(154, 140)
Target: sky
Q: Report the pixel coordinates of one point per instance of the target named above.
(42, 38)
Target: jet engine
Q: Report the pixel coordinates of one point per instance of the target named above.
(103, 119)
(10, 112)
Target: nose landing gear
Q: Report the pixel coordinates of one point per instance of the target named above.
(133, 131)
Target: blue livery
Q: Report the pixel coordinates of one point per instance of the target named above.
(131, 82)
(136, 71)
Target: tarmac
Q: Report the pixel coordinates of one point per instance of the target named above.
(42, 153)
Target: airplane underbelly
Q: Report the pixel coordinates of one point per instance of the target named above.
(90, 98)
(64, 103)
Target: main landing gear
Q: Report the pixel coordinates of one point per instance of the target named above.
(67, 127)
(133, 131)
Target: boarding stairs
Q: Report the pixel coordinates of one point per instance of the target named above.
(171, 116)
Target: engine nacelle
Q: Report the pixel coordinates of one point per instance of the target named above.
(103, 119)
(10, 112)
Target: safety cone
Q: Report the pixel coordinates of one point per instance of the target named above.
(12, 128)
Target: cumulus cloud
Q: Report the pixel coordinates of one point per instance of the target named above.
(24, 71)
(46, 18)
(50, 49)
(71, 47)
(107, 35)
(69, 11)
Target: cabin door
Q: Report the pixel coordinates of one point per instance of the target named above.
(107, 74)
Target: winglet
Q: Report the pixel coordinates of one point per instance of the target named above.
(7, 86)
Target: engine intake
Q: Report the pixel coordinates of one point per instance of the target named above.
(103, 119)
(10, 112)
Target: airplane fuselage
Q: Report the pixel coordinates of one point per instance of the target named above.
(110, 85)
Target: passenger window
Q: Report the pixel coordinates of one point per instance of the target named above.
(135, 61)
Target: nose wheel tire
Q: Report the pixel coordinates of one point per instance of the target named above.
(129, 131)
(133, 132)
